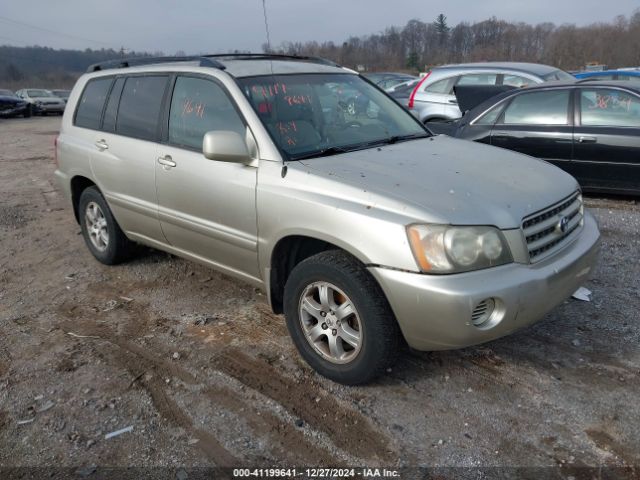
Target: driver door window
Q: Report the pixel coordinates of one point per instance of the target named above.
(538, 108)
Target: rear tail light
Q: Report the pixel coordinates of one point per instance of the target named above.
(55, 151)
(415, 90)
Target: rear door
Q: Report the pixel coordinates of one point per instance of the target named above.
(538, 123)
(207, 208)
(606, 152)
(126, 146)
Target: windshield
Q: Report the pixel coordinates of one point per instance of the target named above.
(558, 75)
(7, 93)
(321, 114)
(39, 93)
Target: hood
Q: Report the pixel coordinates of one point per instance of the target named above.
(47, 99)
(7, 100)
(453, 181)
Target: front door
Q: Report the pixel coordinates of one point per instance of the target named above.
(207, 208)
(538, 124)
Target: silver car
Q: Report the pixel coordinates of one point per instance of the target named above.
(42, 101)
(433, 100)
(362, 228)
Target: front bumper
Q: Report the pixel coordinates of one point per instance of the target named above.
(434, 311)
(53, 108)
(13, 111)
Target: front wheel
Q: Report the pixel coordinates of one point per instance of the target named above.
(339, 318)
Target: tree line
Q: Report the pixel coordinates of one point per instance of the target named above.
(413, 47)
(419, 45)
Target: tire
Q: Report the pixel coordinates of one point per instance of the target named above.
(105, 240)
(28, 111)
(372, 321)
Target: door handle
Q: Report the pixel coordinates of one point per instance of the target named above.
(166, 161)
(102, 145)
(587, 140)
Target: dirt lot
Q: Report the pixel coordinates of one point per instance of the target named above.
(206, 375)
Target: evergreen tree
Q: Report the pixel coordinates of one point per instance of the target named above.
(442, 28)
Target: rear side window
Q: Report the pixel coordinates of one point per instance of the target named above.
(442, 86)
(89, 112)
(478, 79)
(538, 108)
(197, 107)
(516, 81)
(604, 107)
(140, 106)
(109, 122)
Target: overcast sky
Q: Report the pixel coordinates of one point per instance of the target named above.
(197, 26)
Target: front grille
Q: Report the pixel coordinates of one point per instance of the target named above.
(548, 230)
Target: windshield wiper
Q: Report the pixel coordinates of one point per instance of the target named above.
(325, 152)
(400, 138)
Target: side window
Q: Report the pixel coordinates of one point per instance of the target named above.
(441, 86)
(89, 111)
(109, 122)
(478, 79)
(199, 106)
(604, 107)
(538, 108)
(140, 106)
(516, 81)
(491, 116)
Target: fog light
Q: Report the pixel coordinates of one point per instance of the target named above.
(483, 311)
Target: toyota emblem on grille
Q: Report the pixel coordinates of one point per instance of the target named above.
(563, 225)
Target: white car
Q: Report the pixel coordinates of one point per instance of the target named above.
(43, 101)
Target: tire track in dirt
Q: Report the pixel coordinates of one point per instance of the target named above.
(348, 429)
(290, 444)
(149, 370)
(285, 441)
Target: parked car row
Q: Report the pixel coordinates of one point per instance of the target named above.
(32, 101)
(587, 124)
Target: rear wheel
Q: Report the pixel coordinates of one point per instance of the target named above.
(101, 232)
(339, 318)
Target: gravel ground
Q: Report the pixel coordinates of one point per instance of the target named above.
(205, 375)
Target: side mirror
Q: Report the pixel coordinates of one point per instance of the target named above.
(225, 146)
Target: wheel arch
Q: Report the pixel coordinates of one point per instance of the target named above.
(292, 249)
(79, 184)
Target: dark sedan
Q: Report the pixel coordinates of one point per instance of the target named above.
(591, 129)
(12, 106)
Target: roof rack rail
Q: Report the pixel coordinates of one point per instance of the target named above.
(274, 56)
(134, 62)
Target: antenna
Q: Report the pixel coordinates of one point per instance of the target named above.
(266, 25)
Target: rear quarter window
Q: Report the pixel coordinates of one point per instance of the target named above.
(89, 111)
(140, 106)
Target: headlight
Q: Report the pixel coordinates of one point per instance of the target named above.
(447, 249)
